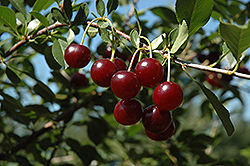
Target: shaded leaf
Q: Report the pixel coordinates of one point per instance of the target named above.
(41, 4)
(44, 91)
(19, 5)
(181, 37)
(82, 14)
(58, 49)
(67, 7)
(195, 12)
(134, 38)
(112, 6)
(138, 21)
(6, 29)
(58, 15)
(12, 76)
(100, 7)
(167, 15)
(236, 37)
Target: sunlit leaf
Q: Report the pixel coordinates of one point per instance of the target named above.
(8, 17)
(134, 38)
(100, 7)
(58, 15)
(40, 17)
(58, 49)
(42, 5)
(19, 5)
(70, 36)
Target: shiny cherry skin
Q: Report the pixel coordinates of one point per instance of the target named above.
(120, 64)
(164, 136)
(128, 111)
(150, 72)
(77, 56)
(125, 84)
(78, 80)
(156, 121)
(102, 71)
(168, 96)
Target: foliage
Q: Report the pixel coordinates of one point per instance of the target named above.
(49, 122)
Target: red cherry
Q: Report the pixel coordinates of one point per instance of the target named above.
(168, 96)
(243, 70)
(125, 84)
(78, 80)
(217, 79)
(120, 64)
(102, 71)
(128, 111)
(156, 121)
(77, 56)
(150, 72)
(162, 136)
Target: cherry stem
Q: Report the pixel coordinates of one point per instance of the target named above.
(150, 46)
(132, 59)
(85, 32)
(112, 54)
(183, 68)
(221, 57)
(169, 68)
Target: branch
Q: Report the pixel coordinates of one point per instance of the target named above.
(181, 62)
(23, 42)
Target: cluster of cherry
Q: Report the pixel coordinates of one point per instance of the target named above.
(167, 96)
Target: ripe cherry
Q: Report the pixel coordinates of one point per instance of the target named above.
(243, 70)
(120, 64)
(102, 71)
(168, 133)
(150, 72)
(217, 79)
(168, 96)
(128, 111)
(125, 84)
(155, 120)
(77, 56)
(78, 80)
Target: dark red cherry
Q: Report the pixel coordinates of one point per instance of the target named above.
(102, 71)
(77, 56)
(156, 121)
(150, 72)
(128, 111)
(78, 80)
(168, 96)
(218, 79)
(125, 84)
(243, 70)
(120, 64)
(162, 136)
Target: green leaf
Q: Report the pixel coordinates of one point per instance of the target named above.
(138, 21)
(82, 14)
(134, 38)
(68, 8)
(158, 41)
(21, 18)
(167, 15)
(221, 111)
(58, 15)
(92, 31)
(42, 4)
(112, 6)
(7, 29)
(5, 41)
(40, 17)
(11, 100)
(58, 49)
(229, 58)
(195, 12)
(100, 7)
(8, 17)
(181, 37)
(104, 35)
(70, 36)
(102, 24)
(12, 76)
(236, 37)
(19, 5)
(44, 91)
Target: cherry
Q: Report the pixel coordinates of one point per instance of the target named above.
(217, 79)
(168, 133)
(125, 84)
(77, 56)
(128, 111)
(150, 72)
(120, 64)
(108, 50)
(155, 120)
(243, 70)
(212, 57)
(102, 71)
(168, 96)
(78, 80)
